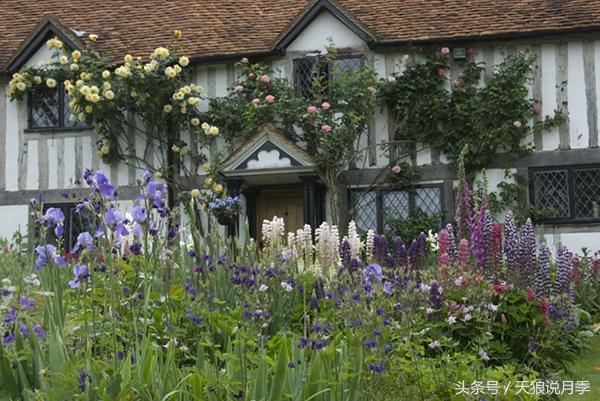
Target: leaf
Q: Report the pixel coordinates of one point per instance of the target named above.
(280, 372)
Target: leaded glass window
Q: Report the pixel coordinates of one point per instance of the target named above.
(309, 69)
(371, 209)
(567, 193)
(75, 223)
(49, 109)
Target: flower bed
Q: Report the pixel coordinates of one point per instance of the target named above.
(144, 309)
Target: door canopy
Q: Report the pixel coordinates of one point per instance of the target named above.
(267, 152)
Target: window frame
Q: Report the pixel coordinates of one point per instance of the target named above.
(570, 170)
(62, 127)
(380, 191)
(327, 68)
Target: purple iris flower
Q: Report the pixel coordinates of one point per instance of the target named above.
(47, 254)
(113, 218)
(84, 240)
(139, 214)
(24, 330)
(109, 191)
(80, 274)
(373, 270)
(100, 178)
(39, 331)
(8, 338)
(11, 316)
(26, 302)
(55, 217)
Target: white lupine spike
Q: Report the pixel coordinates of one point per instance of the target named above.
(354, 240)
(273, 230)
(370, 243)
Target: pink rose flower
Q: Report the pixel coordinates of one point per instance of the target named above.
(270, 98)
(538, 108)
(371, 89)
(238, 88)
(325, 106)
(326, 128)
(518, 124)
(397, 169)
(445, 51)
(311, 109)
(251, 75)
(255, 101)
(265, 78)
(441, 72)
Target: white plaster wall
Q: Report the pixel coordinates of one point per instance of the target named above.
(316, 35)
(577, 102)
(43, 55)
(575, 242)
(12, 146)
(14, 218)
(549, 104)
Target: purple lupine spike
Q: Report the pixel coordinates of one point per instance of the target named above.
(463, 253)
(443, 248)
(345, 253)
(435, 296)
(562, 284)
(511, 244)
(487, 225)
(453, 249)
(527, 255)
(380, 248)
(400, 253)
(458, 201)
(422, 249)
(478, 240)
(542, 277)
(468, 205)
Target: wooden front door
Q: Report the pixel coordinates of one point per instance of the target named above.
(286, 203)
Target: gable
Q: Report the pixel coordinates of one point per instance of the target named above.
(325, 27)
(41, 55)
(267, 151)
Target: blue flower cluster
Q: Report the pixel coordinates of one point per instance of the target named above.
(228, 205)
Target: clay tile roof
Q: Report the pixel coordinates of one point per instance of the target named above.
(234, 27)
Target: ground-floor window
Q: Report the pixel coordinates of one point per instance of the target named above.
(566, 193)
(75, 223)
(376, 208)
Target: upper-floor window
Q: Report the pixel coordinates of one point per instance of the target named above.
(376, 208)
(49, 109)
(309, 69)
(566, 193)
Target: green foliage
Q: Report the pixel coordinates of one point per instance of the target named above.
(485, 118)
(409, 228)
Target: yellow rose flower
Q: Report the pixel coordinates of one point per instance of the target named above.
(79, 83)
(84, 90)
(128, 58)
(214, 131)
(72, 118)
(81, 116)
(88, 76)
(21, 86)
(195, 121)
(177, 33)
(106, 85)
(133, 93)
(168, 108)
(170, 72)
(208, 181)
(178, 96)
(184, 61)
(105, 74)
(205, 126)
(63, 60)
(74, 67)
(110, 95)
(195, 193)
(93, 37)
(51, 83)
(94, 89)
(206, 167)
(76, 55)
(123, 72)
(177, 68)
(94, 98)
(193, 101)
(218, 188)
(37, 80)
(89, 109)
